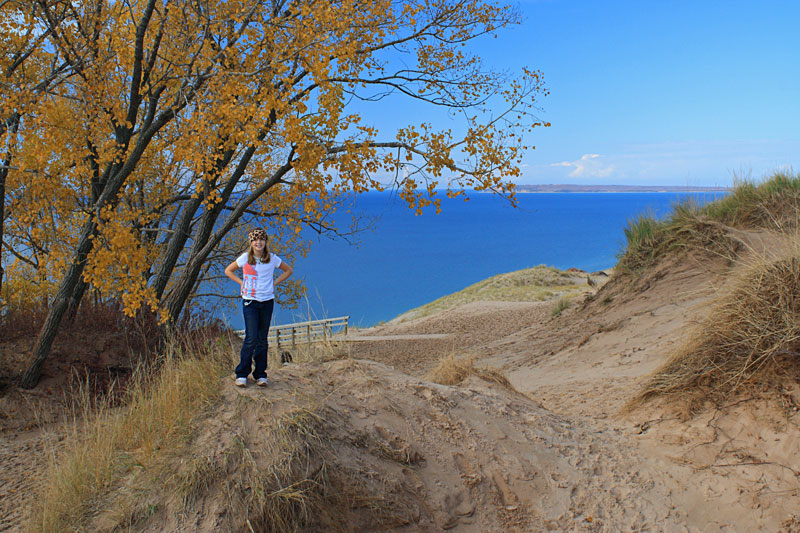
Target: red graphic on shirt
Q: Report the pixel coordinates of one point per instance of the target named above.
(250, 279)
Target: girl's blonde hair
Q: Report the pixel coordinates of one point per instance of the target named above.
(258, 233)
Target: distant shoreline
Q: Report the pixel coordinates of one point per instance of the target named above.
(570, 188)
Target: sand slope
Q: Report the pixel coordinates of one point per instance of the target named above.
(416, 456)
(731, 467)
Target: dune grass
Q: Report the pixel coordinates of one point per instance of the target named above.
(752, 330)
(773, 204)
(452, 370)
(147, 458)
(106, 442)
(535, 284)
(750, 334)
(686, 228)
(559, 307)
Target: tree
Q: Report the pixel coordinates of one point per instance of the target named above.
(174, 122)
(25, 77)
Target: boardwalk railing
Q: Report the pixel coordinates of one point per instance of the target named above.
(286, 335)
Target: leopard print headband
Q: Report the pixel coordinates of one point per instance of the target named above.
(256, 234)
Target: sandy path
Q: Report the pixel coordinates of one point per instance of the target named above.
(730, 469)
(476, 458)
(374, 338)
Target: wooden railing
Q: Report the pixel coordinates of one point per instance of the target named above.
(286, 335)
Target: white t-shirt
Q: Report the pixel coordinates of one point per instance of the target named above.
(258, 278)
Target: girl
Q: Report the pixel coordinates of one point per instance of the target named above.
(257, 290)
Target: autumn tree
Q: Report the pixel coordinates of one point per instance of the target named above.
(172, 123)
(24, 77)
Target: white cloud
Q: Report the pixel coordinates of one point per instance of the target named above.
(588, 166)
(696, 163)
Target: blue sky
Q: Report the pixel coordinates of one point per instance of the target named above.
(647, 92)
(659, 92)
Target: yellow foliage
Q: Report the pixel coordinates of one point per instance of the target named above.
(128, 112)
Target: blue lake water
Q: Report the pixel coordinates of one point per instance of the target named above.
(407, 260)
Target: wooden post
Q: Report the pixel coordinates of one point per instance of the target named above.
(293, 339)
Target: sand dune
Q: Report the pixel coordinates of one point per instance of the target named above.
(374, 444)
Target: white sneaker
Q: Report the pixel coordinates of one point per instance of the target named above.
(262, 382)
(240, 382)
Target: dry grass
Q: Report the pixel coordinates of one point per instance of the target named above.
(107, 443)
(452, 371)
(535, 284)
(277, 473)
(687, 228)
(164, 456)
(773, 204)
(751, 328)
(290, 479)
(281, 482)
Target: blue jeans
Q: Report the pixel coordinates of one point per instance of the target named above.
(257, 316)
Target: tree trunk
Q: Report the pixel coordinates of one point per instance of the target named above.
(65, 291)
(72, 277)
(174, 301)
(75, 299)
(204, 244)
(176, 244)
